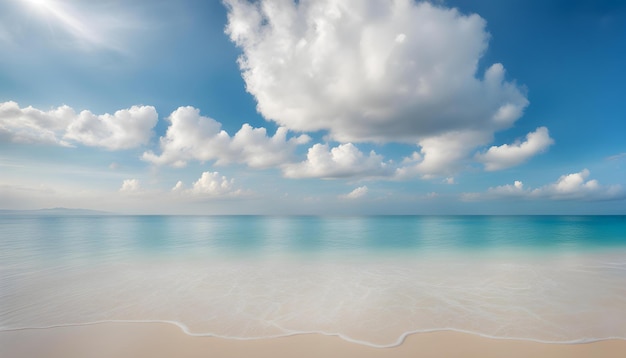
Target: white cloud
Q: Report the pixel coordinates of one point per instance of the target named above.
(575, 186)
(33, 126)
(191, 136)
(375, 70)
(505, 156)
(127, 128)
(130, 186)
(210, 184)
(178, 187)
(617, 156)
(516, 189)
(356, 193)
(342, 161)
(444, 154)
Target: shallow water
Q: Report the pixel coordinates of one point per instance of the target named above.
(368, 279)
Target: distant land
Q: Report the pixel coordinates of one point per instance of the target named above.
(55, 211)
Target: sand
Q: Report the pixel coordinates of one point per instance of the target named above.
(166, 340)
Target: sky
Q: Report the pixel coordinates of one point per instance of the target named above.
(326, 107)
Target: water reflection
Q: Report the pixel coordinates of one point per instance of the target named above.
(93, 238)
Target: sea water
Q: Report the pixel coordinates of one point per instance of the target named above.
(368, 279)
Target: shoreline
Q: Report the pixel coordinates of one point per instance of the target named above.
(401, 339)
(163, 339)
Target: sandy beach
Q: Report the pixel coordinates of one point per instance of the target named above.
(167, 340)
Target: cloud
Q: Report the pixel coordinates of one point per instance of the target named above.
(618, 156)
(33, 126)
(191, 136)
(509, 155)
(125, 129)
(356, 193)
(375, 70)
(210, 184)
(178, 187)
(515, 190)
(444, 154)
(342, 161)
(369, 70)
(575, 186)
(130, 186)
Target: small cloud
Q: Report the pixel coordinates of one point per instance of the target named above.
(619, 156)
(130, 186)
(516, 189)
(213, 184)
(356, 193)
(509, 155)
(114, 166)
(210, 184)
(575, 186)
(449, 180)
(343, 161)
(432, 195)
(178, 187)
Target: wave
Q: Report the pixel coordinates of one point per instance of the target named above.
(346, 338)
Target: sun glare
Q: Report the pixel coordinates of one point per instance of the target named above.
(67, 17)
(40, 4)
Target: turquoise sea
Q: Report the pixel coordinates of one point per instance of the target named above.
(368, 279)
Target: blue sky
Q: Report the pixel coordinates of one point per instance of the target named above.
(319, 107)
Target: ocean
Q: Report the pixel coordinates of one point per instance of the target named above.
(368, 279)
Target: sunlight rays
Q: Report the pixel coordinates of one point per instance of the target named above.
(79, 24)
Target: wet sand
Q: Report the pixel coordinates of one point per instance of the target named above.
(166, 340)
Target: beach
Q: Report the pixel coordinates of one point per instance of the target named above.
(165, 340)
(312, 178)
(311, 286)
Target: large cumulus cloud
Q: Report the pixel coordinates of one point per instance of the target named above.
(374, 70)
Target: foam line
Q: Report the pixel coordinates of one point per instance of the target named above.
(397, 343)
